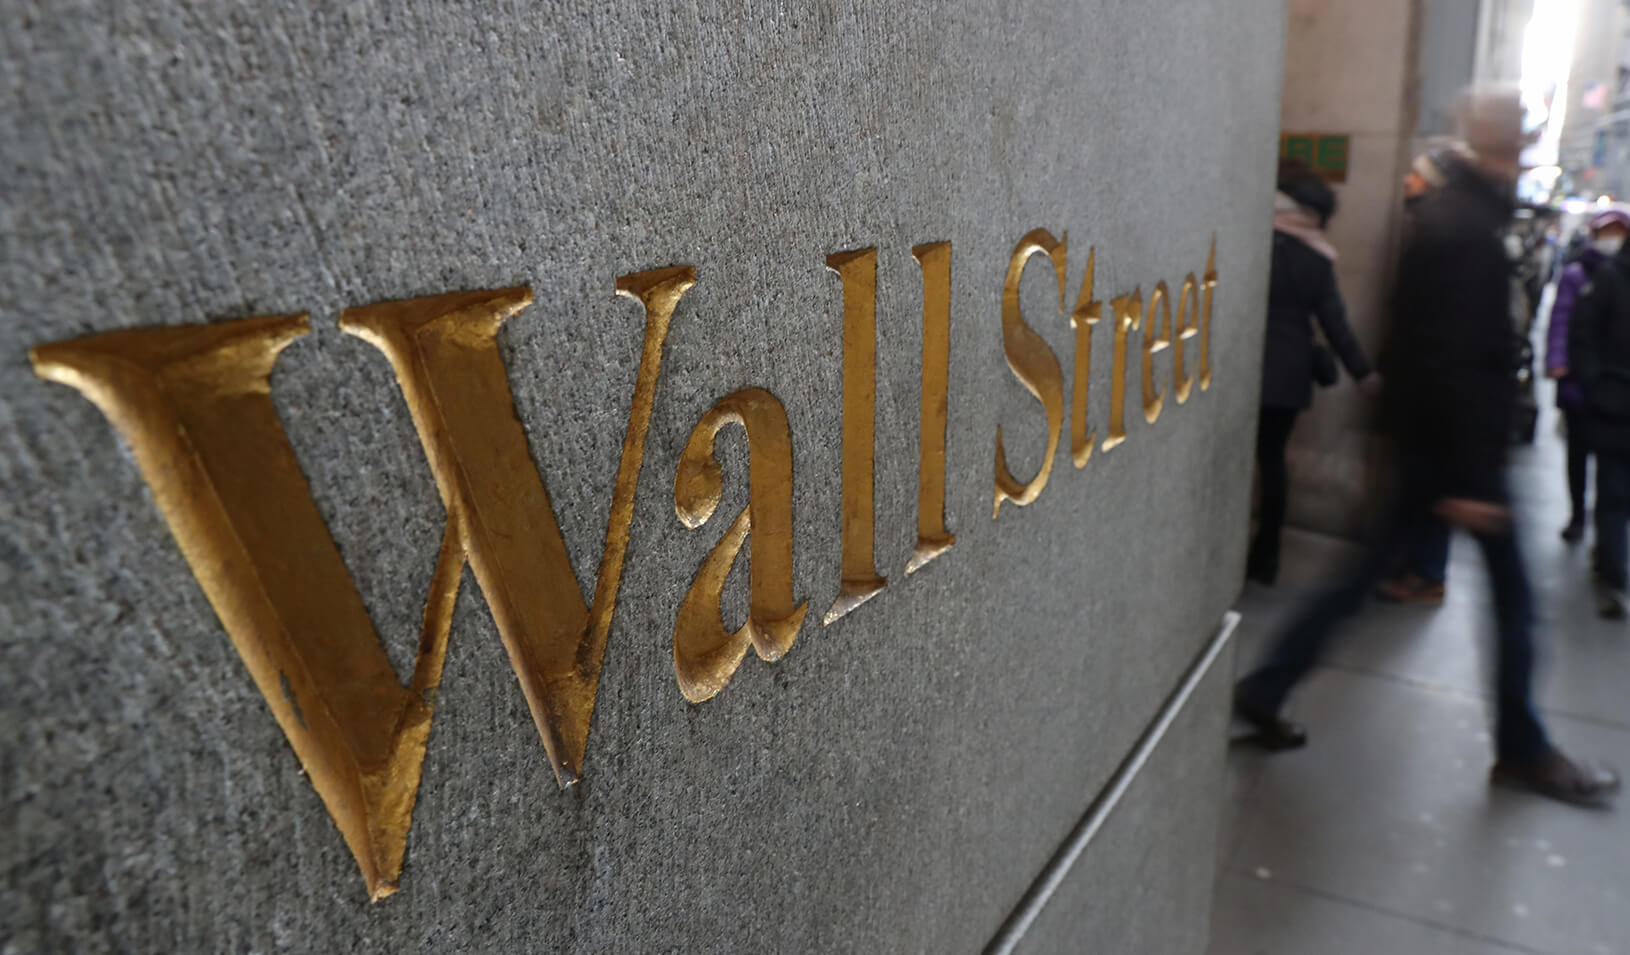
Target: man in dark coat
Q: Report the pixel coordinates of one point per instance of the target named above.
(1448, 403)
(1599, 362)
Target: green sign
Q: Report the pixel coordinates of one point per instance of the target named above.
(1324, 153)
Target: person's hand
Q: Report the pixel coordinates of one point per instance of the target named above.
(1474, 515)
(1556, 372)
(1370, 385)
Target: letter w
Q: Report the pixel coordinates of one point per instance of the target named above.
(194, 404)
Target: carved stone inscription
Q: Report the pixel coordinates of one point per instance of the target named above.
(194, 404)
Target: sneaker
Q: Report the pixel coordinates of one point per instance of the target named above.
(1556, 776)
(1574, 532)
(1411, 589)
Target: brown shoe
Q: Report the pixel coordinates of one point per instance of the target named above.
(1411, 589)
(1558, 777)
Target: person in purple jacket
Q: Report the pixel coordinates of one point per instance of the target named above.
(1608, 230)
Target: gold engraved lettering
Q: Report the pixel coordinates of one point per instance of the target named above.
(932, 537)
(1188, 326)
(705, 654)
(194, 404)
(1128, 315)
(860, 582)
(1210, 283)
(1088, 312)
(445, 352)
(1034, 364)
(1154, 340)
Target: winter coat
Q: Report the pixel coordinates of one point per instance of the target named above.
(1599, 353)
(1302, 283)
(1574, 278)
(1449, 393)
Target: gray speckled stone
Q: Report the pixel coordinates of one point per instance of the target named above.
(1134, 890)
(898, 779)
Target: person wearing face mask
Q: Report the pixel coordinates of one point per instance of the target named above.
(1608, 230)
(1598, 365)
(1449, 403)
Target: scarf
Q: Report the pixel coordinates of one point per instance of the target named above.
(1298, 220)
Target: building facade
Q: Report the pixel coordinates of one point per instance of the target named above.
(1610, 135)
(624, 478)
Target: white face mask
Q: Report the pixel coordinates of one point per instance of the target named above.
(1608, 245)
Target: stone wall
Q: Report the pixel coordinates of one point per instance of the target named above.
(1349, 69)
(898, 780)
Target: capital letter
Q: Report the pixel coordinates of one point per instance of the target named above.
(1034, 364)
(194, 404)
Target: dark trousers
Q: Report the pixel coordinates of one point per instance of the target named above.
(1578, 461)
(1299, 646)
(1430, 557)
(1612, 511)
(1272, 435)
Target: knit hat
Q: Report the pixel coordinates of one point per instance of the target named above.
(1430, 170)
(1311, 191)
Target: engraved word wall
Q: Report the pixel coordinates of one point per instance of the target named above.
(194, 404)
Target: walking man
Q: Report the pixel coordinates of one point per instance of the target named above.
(1449, 399)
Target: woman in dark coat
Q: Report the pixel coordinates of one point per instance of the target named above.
(1301, 288)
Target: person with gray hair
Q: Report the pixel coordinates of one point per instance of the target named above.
(1448, 405)
(1421, 577)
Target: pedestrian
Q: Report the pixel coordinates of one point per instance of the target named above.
(1301, 289)
(1598, 363)
(1448, 406)
(1422, 571)
(1607, 230)
(1578, 241)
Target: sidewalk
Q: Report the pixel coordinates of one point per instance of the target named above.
(1382, 837)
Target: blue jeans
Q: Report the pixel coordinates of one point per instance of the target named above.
(1612, 511)
(1298, 647)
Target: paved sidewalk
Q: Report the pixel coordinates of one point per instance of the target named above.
(1382, 837)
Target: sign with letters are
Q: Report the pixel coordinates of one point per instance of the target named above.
(194, 404)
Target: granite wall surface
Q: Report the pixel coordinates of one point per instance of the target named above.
(894, 783)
